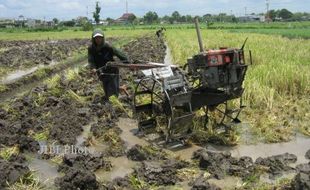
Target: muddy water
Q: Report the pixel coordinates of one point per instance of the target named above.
(129, 129)
(18, 74)
(14, 76)
(168, 57)
(298, 146)
(44, 170)
(121, 167)
(229, 182)
(95, 146)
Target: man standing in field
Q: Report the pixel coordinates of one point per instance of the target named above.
(99, 53)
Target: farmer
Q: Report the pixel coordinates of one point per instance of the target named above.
(160, 31)
(99, 53)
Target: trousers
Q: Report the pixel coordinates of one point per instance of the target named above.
(110, 85)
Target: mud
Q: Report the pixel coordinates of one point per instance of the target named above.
(146, 49)
(140, 153)
(51, 109)
(77, 178)
(84, 162)
(218, 164)
(160, 173)
(201, 183)
(302, 179)
(278, 164)
(16, 133)
(308, 154)
(26, 54)
(12, 170)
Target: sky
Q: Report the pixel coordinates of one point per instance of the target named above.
(69, 9)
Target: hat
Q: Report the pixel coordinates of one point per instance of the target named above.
(97, 34)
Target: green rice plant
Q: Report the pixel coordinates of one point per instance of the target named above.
(3, 88)
(116, 103)
(42, 72)
(72, 75)
(27, 182)
(57, 159)
(41, 136)
(7, 152)
(137, 183)
(53, 82)
(72, 95)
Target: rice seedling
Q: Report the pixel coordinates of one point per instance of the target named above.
(74, 96)
(117, 104)
(7, 152)
(41, 136)
(72, 74)
(27, 182)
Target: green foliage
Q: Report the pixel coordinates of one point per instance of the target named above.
(151, 17)
(42, 136)
(87, 26)
(96, 14)
(136, 183)
(7, 152)
(118, 104)
(27, 182)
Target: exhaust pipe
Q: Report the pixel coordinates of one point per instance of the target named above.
(199, 35)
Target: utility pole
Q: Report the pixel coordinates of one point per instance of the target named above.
(245, 11)
(126, 6)
(267, 10)
(87, 11)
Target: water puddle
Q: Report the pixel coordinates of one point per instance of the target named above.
(229, 182)
(299, 146)
(95, 146)
(129, 129)
(121, 167)
(168, 60)
(44, 170)
(14, 76)
(18, 74)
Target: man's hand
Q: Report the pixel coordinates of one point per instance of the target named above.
(93, 71)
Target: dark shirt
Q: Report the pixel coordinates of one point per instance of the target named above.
(98, 57)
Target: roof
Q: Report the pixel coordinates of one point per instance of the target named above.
(125, 16)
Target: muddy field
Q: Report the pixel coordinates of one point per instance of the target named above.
(23, 54)
(63, 134)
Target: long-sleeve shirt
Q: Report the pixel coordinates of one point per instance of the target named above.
(99, 56)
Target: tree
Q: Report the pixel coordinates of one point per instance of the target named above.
(189, 18)
(176, 16)
(131, 18)
(285, 14)
(55, 20)
(272, 14)
(110, 20)
(96, 14)
(150, 17)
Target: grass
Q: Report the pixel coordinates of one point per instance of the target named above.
(289, 33)
(67, 34)
(279, 77)
(27, 182)
(7, 152)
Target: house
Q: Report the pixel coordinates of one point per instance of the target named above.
(125, 18)
(251, 18)
(7, 23)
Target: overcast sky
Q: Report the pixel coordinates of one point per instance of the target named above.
(68, 9)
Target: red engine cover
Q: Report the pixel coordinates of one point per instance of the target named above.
(218, 57)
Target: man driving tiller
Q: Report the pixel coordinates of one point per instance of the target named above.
(99, 54)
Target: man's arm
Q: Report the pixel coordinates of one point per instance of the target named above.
(121, 55)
